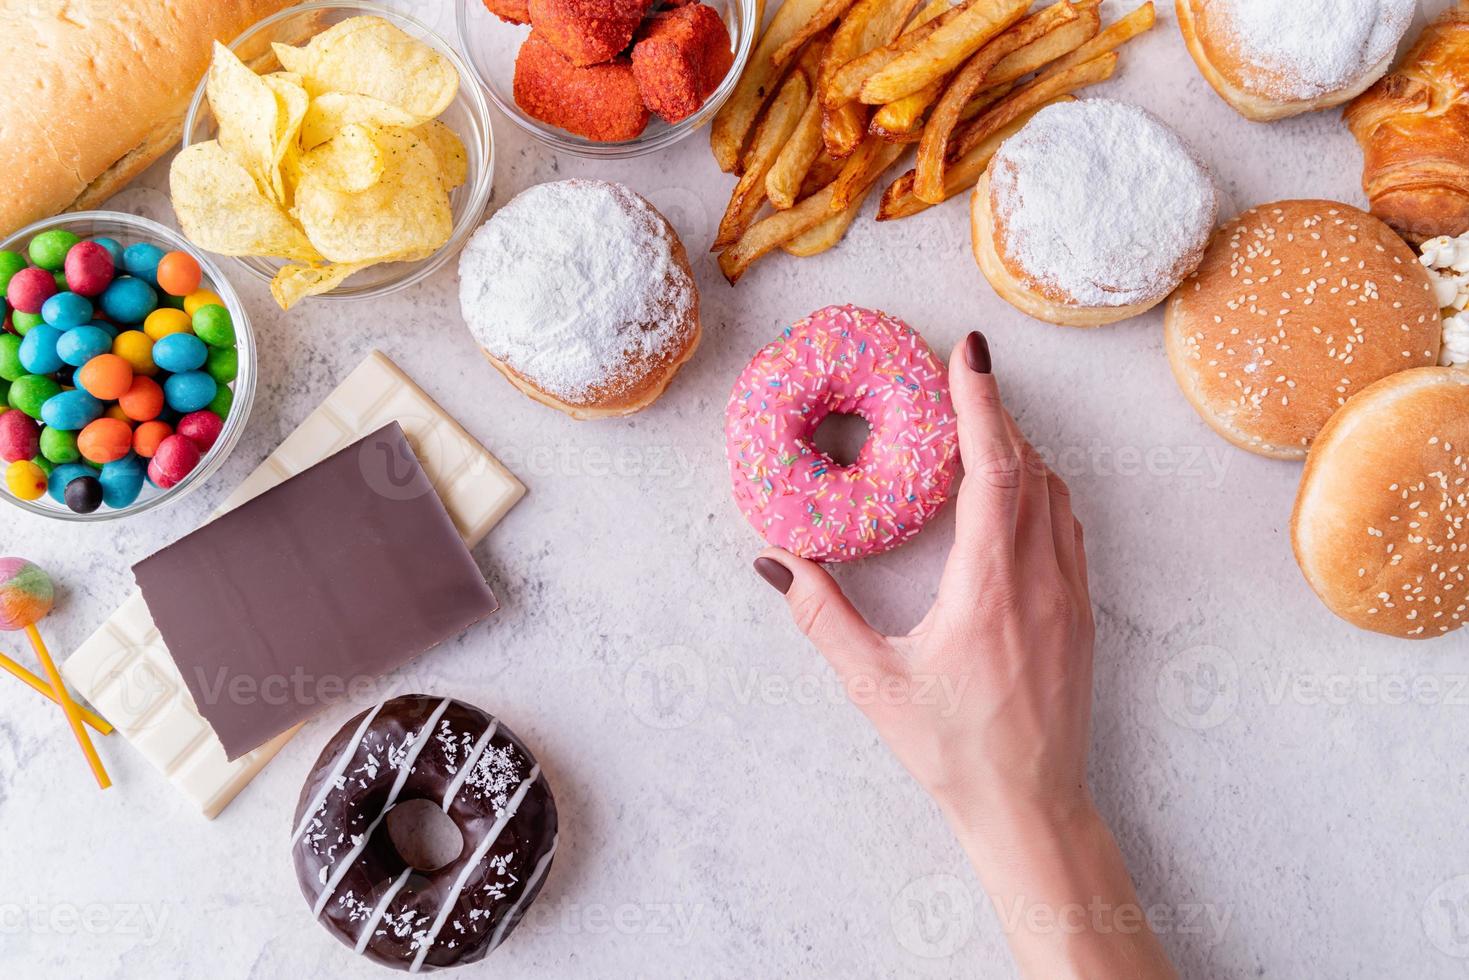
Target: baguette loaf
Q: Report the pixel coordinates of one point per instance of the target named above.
(96, 90)
(1414, 129)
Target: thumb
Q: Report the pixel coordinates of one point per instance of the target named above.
(825, 614)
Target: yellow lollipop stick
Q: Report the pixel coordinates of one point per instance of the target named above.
(44, 689)
(72, 709)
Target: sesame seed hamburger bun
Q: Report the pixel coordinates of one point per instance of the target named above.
(1381, 524)
(1274, 60)
(1296, 307)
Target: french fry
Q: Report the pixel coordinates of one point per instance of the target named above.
(1140, 21)
(1057, 44)
(932, 150)
(901, 119)
(819, 22)
(942, 51)
(788, 173)
(1022, 100)
(847, 82)
(826, 169)
(830, 232)
(773, 231)
(736, 118)
(779, 122)
(899, 201)
(869, 24)
(856, 174)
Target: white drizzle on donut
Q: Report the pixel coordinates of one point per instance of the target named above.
(447, 908)
(338, 777)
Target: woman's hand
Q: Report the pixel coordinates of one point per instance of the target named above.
(987, 702)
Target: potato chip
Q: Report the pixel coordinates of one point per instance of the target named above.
(448, 151)
(294, 283)
(331, 111)
(405, 212)
(246, 111)
(220, 208)
(291, 104)
(350, 161)
(369, 56)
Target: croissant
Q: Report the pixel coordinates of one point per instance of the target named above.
(1414, 129)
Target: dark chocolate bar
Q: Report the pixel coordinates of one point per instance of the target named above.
(305, 595)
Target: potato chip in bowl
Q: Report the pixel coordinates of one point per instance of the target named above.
(335, 164)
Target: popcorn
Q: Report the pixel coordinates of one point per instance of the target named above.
(1447, 261)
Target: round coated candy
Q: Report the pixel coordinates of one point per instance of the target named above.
(224, 400)
(113, 246)
(59, 446)
(175, 459)
(201, 298)
(30, 393)
(115, 412)
(165, 321)
(212, 324)
(143, 400)
(202, 428)
(180, 352)
(84, 494)
(45, 464)
(189, 391)
(136, 348)
(10, 264)
(80, 344)
(72, 410)
(26, 594)
(29, 289)
(4, 394)
(25, 322)
(178, 274)
(25, 480)
(223, 364)
(141, 259)
(20, 436)
(10, 366)
(106, 376)
(89, 269)
(147, 436)
(106, 328)
(48, 249)
(64, 474)
(122, 481)
(129, 300)
(67, 310)
(105, 440)
(38, 350)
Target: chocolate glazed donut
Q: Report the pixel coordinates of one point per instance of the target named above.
(418, 747)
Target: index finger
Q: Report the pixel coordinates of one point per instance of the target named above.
(989, 496)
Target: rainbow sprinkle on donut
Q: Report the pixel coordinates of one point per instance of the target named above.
(845, 360)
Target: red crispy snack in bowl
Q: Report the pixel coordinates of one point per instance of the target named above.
(598, 102)
(680, 58)
(588, 32)
(511, 11)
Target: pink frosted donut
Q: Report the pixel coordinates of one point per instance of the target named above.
(850, 361)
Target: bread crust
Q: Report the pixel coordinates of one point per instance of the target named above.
(1413, 127)
(1297, 306)
(1222, 70)
(69, 138)
(1380, 522)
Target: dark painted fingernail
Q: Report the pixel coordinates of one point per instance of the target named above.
(977, 352)
(775, 573)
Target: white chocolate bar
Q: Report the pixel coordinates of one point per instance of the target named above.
(125, 670)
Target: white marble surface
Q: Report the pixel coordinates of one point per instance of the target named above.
(1289, 792)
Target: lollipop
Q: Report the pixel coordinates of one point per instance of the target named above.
(26, 596)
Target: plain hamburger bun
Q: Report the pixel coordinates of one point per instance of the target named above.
(96, 92)
(1294, 58)
(1381, 525)
(1296, 307)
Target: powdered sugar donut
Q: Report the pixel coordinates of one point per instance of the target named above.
(1091, 214)
(843, 360)
(1271, 59)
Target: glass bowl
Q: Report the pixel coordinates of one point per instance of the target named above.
(468, 116)
(491, 45)
(128, 229)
